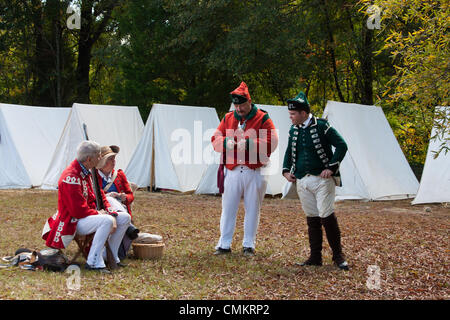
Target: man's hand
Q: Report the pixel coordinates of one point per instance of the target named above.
(230, 144)
(112, 194)
(122, 196)
(326, 174)
(289, 177)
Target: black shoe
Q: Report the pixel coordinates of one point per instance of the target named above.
(100, 270)
(219, 251)
(122, 265)
(248, 252)
(310, 262)
(341, 263)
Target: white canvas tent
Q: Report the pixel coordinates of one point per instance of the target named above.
(374, 167)
(107, 125)
(175, 149)
(281, 121)
(435, 181)
(208, 182)
(28, 138)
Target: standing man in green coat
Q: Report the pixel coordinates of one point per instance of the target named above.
(310, 162)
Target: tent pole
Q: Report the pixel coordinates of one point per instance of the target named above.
(152, 164)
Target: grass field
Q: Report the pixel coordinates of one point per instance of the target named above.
(408, 244)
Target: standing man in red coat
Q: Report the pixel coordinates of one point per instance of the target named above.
(77, 211)
(246, 138)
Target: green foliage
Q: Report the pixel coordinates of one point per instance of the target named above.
(419, 42)
(36, 61)
(194, 52)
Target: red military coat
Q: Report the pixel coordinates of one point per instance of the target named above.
(76, 200)
(122, 185)
(259, 132)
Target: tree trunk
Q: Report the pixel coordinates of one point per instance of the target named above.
(83, 69)
(91, 29)
(367, 67)
(358, 89)
(84, 53)
(308, 86)
(331, 51)
(58, 32)
(37, 73)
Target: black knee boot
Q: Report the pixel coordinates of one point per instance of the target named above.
(315, 242)
(333, 234)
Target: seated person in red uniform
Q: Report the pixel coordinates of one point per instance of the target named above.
(117, 190)
(114, 183)
(77, 211)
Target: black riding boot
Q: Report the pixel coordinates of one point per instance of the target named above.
(333, 234)
(315, 242)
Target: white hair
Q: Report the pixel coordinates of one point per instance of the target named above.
(87, 149)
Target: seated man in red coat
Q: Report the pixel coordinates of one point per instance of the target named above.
(77, 211)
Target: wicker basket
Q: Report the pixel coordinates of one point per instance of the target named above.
(148, 250)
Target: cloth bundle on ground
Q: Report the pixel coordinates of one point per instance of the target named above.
(134, 236)
(144, 237)
(47, 259)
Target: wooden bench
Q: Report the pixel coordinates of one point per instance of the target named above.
(84, 243)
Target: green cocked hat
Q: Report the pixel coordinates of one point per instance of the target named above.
(299, 103)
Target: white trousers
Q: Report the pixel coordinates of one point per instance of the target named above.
(116, 205)
(250, 184)
(316, 195)
(102, 224)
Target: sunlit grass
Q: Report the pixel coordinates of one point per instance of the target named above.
(409, 245)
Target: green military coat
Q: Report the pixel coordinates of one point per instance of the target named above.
(309, 149)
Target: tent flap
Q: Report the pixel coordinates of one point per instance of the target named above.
(374, 167)
(435, 182)
(29, 136)
(175, 149)
(106, 125)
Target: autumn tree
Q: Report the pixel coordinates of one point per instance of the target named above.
(417, 38)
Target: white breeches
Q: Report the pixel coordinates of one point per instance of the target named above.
(102, 224)
(250, 184)
(116, 205)
(316, 195)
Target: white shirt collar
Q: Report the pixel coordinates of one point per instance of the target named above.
(307, 121)
(104, 176)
